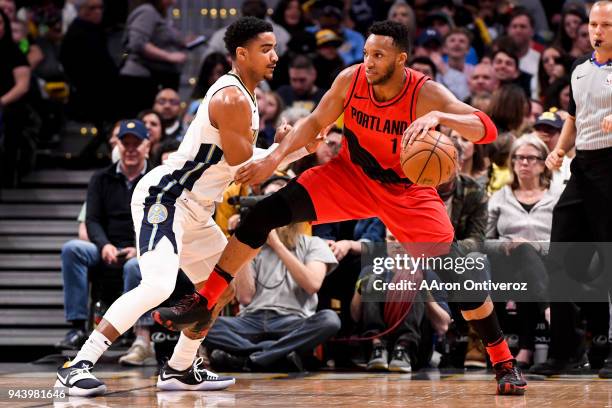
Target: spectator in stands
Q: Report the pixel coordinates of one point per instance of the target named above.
(168, 105)
(521, 29)
(582, 45)
(508, 108)
(288, 14)
(506, 66)
(331, 18)
(89, 67)
(251, 8)
(302, 90)
(379, 311)
(554, 64)
(427, 43)
(324, 153)
(168, 148)
(473, 161)
(519, 226)
(109, 227)
(19, 29)
(567, 36)
(14, 85)
(328, 61)
(155, 56)
(424, 65)
(157, 134)
(548, 128)
(271, 108)
(482, 79)
(500, 173)
(558, 94)
(454, 72)
(401, 12)
(279, 292)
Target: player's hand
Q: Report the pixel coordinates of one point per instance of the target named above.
(555, 159)
(340, 249)
(321, 137)
(255, 172)
(109, 254)
(606, 124)
(281, 131)
(419, 128)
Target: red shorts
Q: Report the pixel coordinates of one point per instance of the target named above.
(341, 191)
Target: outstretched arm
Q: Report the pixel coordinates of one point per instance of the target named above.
(436, 105)
(304, 132)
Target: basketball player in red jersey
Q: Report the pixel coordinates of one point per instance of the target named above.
(385, 106)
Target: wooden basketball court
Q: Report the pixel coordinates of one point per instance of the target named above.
(136, 388)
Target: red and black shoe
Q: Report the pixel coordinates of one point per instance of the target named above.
(188, 311)
(510, 380)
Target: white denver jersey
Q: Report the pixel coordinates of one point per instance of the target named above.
(199, 164)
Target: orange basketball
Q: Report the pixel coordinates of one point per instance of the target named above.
(431, 161)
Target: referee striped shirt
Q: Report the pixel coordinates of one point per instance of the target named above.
(591, 102)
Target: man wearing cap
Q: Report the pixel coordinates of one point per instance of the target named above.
(109, 226)
(279, 292)
(548, 128)
(352, 42)
(328, 60)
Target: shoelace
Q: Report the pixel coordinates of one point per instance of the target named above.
(197, 371)
(508, 370)
(398, 353)
(77, 371)
(185, 303)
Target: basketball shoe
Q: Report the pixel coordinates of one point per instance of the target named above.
(79, 380)
(195, 378)
(509, 378)
(189, 310)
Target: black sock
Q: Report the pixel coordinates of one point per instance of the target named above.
(488, 329)
(78, 324)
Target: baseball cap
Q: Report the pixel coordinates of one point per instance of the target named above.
(133, 127)
(428, 36)
(328, 37)
(549, 118)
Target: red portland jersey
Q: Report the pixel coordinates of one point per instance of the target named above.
(373, 130)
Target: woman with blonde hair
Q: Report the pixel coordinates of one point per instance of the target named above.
(518, 235)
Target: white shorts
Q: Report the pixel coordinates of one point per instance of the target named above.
(161, 213)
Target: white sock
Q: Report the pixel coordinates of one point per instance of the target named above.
(184, 353)
(93, 348)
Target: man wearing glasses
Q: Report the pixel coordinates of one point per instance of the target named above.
(168, 105)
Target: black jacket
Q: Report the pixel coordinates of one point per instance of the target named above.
(109, 218)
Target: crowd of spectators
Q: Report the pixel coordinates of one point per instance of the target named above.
(510, 58)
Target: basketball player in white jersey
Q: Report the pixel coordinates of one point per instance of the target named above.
(172, 209)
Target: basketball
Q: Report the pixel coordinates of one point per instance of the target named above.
(431, 161)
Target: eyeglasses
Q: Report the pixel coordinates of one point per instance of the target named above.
(164, 101)
(530, 159)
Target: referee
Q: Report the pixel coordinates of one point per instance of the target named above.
(584, 210)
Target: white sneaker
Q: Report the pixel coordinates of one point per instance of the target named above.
(78, 380)
(192, 379)
(140, 354)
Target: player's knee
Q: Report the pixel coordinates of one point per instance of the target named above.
(159, 290)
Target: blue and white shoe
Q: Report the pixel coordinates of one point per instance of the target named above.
(194, 378)
(79, 380)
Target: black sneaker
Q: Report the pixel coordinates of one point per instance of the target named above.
(606, 370)
(188, 311)
(195, 378)
(78, 380)
(223, 360)
(510, 380)
(400, 361)
(554, 366)
(73, 340)
(379, 358)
